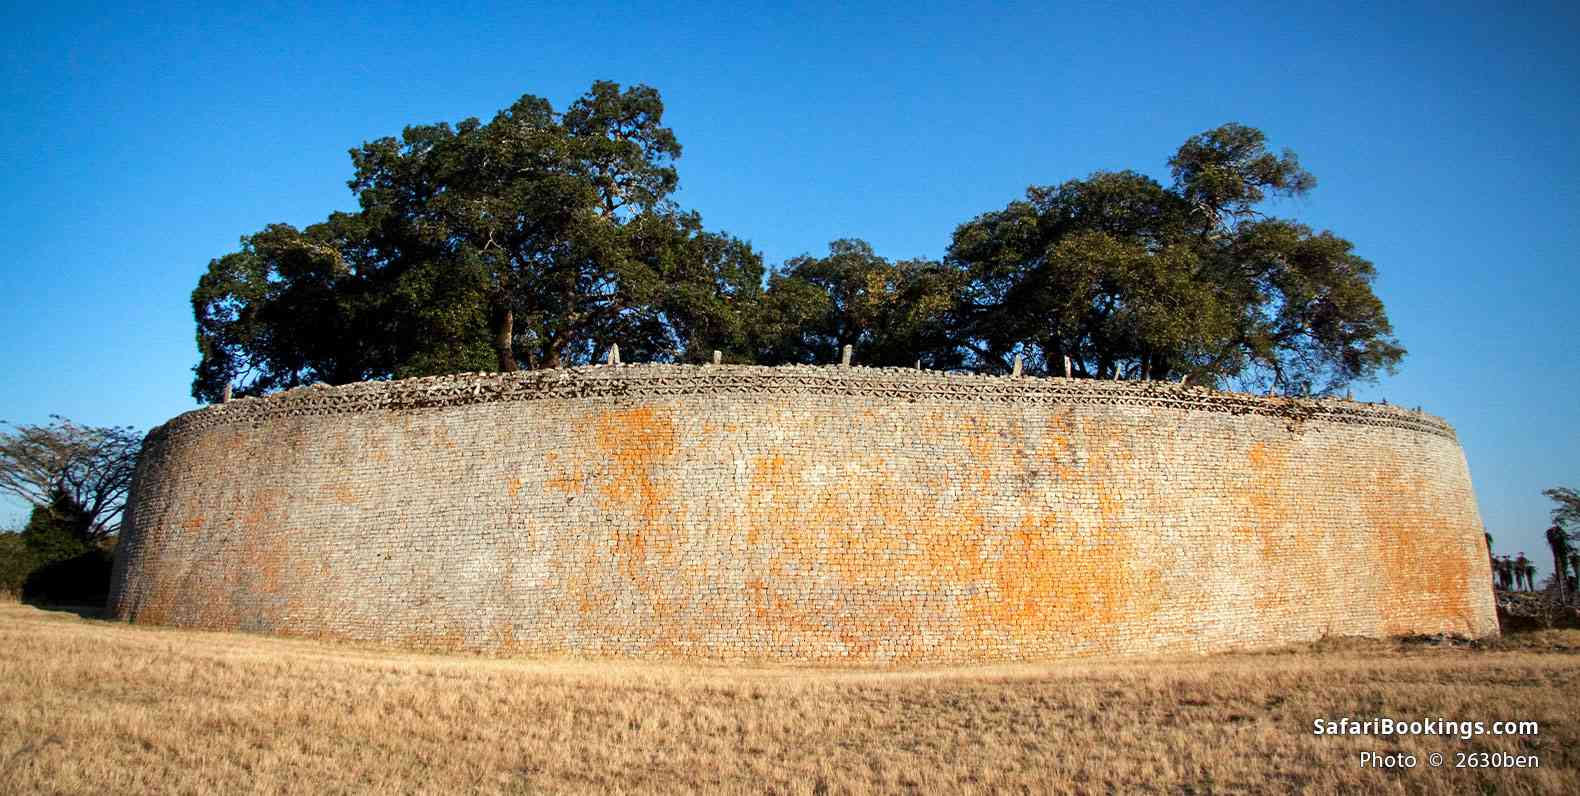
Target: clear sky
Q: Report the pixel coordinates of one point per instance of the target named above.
(138, 143)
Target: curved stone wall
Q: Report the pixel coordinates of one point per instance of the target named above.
(802, 514)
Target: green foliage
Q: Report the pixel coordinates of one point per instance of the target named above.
(1560, 539)
(16, 563)
(1567, 512)
(1128, 277)
(57, 531)
(1225, 172)
(89, 466)
(536, 238)
(893, 313)
(292, 308)
(56, 557)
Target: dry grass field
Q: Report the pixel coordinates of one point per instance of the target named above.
(88, 706)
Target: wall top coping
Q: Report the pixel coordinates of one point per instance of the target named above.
(634, 382)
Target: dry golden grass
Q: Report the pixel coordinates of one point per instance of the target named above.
(88, 706)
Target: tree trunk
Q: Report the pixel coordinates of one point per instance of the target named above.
(504, 335)
(1555, 544)
(554, 351)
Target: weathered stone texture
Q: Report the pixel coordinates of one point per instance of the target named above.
(803, 514)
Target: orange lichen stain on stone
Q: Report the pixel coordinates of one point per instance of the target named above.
(1058, 451)
(260, 505)
(636, 441)
(1051, 579)
(635, 444)
(630, 551)
(1277, 544)
(264, 551)
(847, 527)
(980, 448)
(503, 639)
(442, 437)
(201, 592)
(372, 446)
(768, 478)
(859, 643)
(567, 482)
(759, 597)
(1258, 455)
(562, 479)
(1265, 500)
(1109, 505)
(1426, 571)
(1050, 576)
(955, 557)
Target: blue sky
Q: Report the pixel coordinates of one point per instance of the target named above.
(140, 143)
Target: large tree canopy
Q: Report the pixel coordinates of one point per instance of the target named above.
(533, 239)
(1126, 276)
(539, 238)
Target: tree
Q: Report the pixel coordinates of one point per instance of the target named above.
(16, 563)
(893, 313)
(59, 530)
(1126, 276)
(1559, 538)
(1225, 172)
(292, 307)
(1558, 541)
(88, 467)
(66, 562)
(1567, 512)
(535, 239)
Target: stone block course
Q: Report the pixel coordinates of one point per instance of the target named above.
(802, 515)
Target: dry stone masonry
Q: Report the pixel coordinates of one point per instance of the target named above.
(838, 514)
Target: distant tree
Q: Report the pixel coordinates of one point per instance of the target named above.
(534, 239)
(1128, 277)
(16, 563)
(1558, 542)
(893, 313)
(68, 564)
(1560, 539)
(1567, 512)
(59, 530)
(90, 467)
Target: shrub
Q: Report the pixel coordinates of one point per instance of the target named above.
(80, 580)
(17, 561)
(55, 559)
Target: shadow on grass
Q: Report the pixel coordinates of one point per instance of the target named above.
(85, 611)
